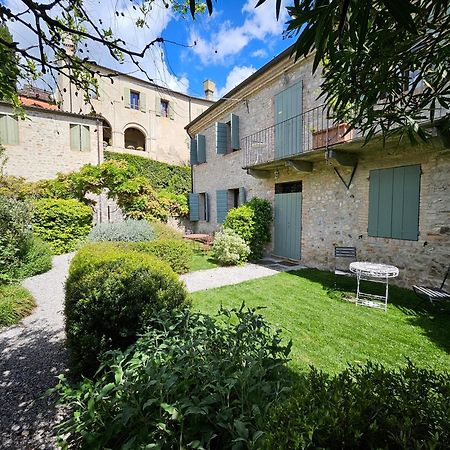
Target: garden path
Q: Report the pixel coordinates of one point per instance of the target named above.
(32, 354)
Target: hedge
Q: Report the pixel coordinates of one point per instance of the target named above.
(129, 230)
(61, 223)
(162, 176)
(111, 294)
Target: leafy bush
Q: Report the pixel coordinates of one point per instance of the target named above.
(162, 176)
(176, 253)
(164, 231)
(229, 248)
(192, 381)
(252, 222)
(111, 294)
(15, 304)
(61, 223)
(129, 230)
(37, 259)
(364, 407)
(15, 234)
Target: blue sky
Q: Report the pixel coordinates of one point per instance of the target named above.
(230, 45)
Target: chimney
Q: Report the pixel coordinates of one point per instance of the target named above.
(69, 45)
(209, 87)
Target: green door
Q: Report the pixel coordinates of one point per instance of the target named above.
(287, 222)
(288, 122)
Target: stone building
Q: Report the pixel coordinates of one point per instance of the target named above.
(48, 141)
(139, 117)
(271, 138)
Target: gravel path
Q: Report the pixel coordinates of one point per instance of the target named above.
(224, 276)
(32, 355)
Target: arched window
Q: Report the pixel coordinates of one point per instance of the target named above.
(134, 139)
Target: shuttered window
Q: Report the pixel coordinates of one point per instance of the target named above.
(227, 136)
(203, 207)
(201, 149)
(80, 138)
(194, 215)
(193, 149)
(394, 198)
(134, 100)
(221, 205)
(9, 130)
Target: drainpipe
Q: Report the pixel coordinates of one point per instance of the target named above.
(99, 161)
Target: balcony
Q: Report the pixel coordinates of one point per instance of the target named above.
(311, 130)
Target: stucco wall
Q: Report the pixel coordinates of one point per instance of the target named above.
(331, 214)
(166, 138)
(44, 145)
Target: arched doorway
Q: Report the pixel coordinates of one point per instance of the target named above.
(107, 133)
(134, 139)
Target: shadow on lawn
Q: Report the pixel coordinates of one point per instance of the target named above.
(434, 320)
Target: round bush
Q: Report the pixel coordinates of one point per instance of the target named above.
(367, 407)
(61, 223)
(229, 248)
(129, 230)
(111, 294)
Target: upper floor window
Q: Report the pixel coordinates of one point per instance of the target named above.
(80, 138)
(164, 108)
(9, 129)
(134, 100)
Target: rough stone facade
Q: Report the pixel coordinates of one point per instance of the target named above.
(332, 215)
(165, 137)
(44, 147)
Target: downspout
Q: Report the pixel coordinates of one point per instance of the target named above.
(99, 161)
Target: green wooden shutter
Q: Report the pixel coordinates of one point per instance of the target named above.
(221, 205)
(385, 203)
(171, 111)
(206, 207)
(406, 200)
(12, 127)
(126, 98)
(142, 102)
(374, 191)
(75, 137)
(85, 138)
(3, 129)
(242, 196)
(158, 106)
(194, 215)
(221, 138)
(201, 148)
(194, 159)
(235, 132)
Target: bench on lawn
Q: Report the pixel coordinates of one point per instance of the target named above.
(205, 239)
(432, 293)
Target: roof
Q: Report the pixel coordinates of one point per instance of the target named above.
(34, 96)
(26, 101)
(154, 85)
(234, 91)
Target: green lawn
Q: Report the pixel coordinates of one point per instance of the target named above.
(15, 304)
(329, 332)
(202, 260)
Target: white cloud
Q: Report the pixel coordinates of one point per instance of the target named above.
(261, 53)
(121, 17)
(236, 76)
(229, 40)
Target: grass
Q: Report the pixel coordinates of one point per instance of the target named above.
(329, 332)
(202, 259)
(15, 304)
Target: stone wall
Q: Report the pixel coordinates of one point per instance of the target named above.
(44, 144)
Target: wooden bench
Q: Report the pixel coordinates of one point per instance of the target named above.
(205, 239)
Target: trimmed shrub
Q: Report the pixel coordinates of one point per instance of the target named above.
(365, 407)
(129, 230)
(15, 235)
(192, 381)
(15, 304)
(37, 259)
(164, 231)
(229, 248)
(61, 223)
(178, 254)
(252, 222)
(111, 294)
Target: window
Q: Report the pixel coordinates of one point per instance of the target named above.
(227, 199)
(9, 130)
(233, 198)
(394, 197)
(164, 108)
(203, 206)
(134, 100)
(80, 138)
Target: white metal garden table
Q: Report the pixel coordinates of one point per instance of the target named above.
(378, 273)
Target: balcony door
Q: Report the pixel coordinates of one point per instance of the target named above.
(288, 121)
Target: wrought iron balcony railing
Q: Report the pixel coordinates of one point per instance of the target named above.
(308, 131)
